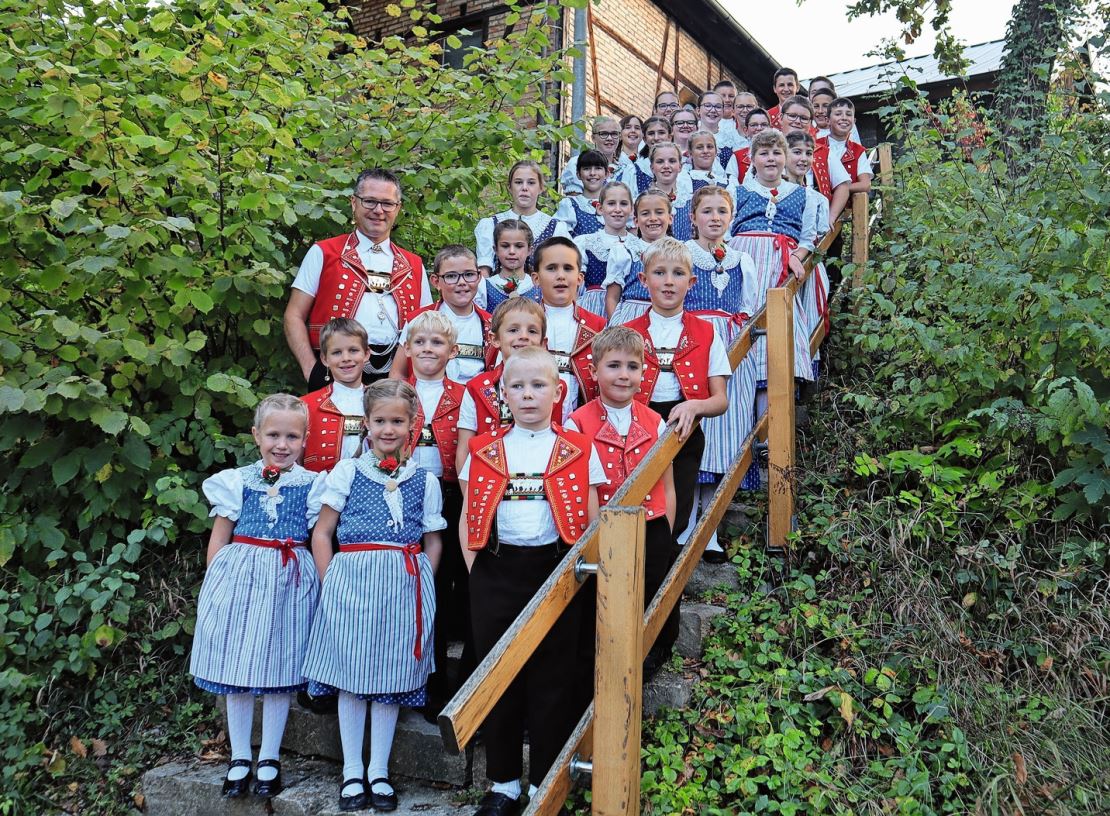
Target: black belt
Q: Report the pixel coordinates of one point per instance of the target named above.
(499, 550)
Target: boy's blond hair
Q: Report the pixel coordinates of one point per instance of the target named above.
(667, 249)
(342, 325)
(617, 338)
(517, 304)
(433, 321)
(532, 355)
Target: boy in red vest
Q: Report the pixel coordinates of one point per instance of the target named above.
(570, 329)
(430, 347)
(516, 323)
(335, 411)
(623, 431)
(455, 275)
(851, 154)
(531, 491)
(785, 83)
(686, 364)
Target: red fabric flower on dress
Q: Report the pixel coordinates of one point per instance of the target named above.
(596, 204)
(271, 474)
(389, 464)
(719, 253)
(774, 192)
(510, 285)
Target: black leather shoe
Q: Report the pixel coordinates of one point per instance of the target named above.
(498, 804)
(234, 788)
(384, 802)
(268, 787)
(318, 705)
(714, 557)
(356, 802)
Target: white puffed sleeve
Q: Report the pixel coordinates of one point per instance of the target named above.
(334, 490)
(319, 485)
(822, 203)
(683, 185)
(566, 214)
(560, 229)
(569, 179)
(480, 297)
(618, 266)
(808, 238)
(754, 286)
(224, 492)
(483, 242)
(733, 167)
(433, 505)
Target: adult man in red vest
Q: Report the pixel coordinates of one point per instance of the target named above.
(361, 275)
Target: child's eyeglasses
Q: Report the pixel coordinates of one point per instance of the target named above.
(607, 134)
(684, 123)
(373, 203)
(707, 106)
(451, 278)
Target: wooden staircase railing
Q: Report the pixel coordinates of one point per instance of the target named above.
(609, 731)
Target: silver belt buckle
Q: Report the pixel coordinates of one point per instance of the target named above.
(471, 351)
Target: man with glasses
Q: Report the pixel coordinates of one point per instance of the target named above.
(606, 134)
(361, 275)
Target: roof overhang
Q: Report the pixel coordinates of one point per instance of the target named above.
(716, 30)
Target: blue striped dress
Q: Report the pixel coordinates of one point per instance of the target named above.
(606, 259)
(716, 297)
(364, 639)
(255, 612)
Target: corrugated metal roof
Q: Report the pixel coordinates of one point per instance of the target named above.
(984, 58)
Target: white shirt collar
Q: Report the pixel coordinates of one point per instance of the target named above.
(516, 432)
(346, 389)
(560, 311)
(655, 317)
(365, 243)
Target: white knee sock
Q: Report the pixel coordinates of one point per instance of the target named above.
(705, 497)
(352, 731)
(510, 789)
(685, 536)
(383, 722)
(275, 711)
(240, 718)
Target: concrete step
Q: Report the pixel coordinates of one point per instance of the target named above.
(417, 747)
(312, 789)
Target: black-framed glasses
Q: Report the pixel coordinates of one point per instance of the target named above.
(667, 106)
(451, 278)
(744, 107)
(708, 106)
(374, 203)
(607, 134)
(796, 117)
(684, 123)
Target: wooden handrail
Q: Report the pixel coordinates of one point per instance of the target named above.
(466, 711)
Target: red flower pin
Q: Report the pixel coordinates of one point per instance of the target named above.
(510, 285)
(388, 464)
(596, 204)
(719, 253)
(270, 474)
(774, 192)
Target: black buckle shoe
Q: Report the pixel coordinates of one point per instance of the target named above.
(498, 804)
(318, 705)
(384, 802)
(234, 788)
(714, 557)
(266, 788)
(356, 802)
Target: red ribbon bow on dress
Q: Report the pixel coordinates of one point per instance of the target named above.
(287, 548)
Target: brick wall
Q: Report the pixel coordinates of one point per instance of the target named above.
(629, 37)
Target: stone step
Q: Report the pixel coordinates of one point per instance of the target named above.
(312, 789)
(668, 689)
(417, 747)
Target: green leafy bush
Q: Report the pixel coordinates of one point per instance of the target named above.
(163, 168)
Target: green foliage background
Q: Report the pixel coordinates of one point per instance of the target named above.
(162, 171)
(938, 641)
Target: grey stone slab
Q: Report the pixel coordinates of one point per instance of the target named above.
(193, 789)
(695, 620)
(667, 689)
(708, 577)
(417, 746)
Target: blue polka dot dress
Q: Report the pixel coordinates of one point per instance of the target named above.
(373, 631)
(256, 604)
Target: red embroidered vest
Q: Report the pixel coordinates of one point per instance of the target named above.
(487, 401)
(581, 355)
(743, 163)
(621, 454)
(821, 175)
(324, 444)
(850, 158)
(343, 282)
(445, 426)
(566, 484)
(691, 359)
(774, 116)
